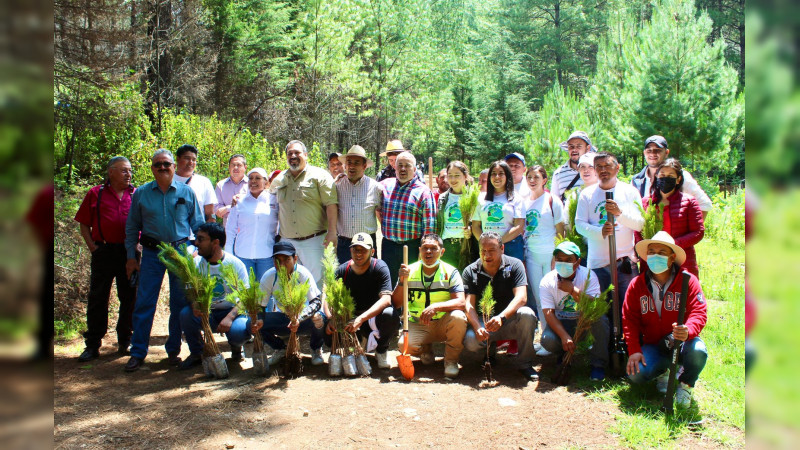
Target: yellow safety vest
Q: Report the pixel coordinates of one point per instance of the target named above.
(421, 296)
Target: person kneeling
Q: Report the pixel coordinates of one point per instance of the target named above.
(560, 291)
(224, 316)
(435, 305)
(274, 322)
(650, 316)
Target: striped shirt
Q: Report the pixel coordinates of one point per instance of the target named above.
(357, 205)
(562, 177)
(409, 210)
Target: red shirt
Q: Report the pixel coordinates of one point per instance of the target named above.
(113, 213)
(640, 321)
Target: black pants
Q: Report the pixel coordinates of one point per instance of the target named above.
(392, 255)
(108, 264)
(387, 322)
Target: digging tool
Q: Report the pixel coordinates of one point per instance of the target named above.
(404, 359)
(430, 172)
(669, 399)
(619, 353)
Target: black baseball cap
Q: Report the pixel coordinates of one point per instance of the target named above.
(283, 248)
(656, 139)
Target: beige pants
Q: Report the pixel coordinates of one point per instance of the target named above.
(449, 329)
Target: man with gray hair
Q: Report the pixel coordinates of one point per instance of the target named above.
(307, 208)
(408, 213)
(163, 211)
(102, 217)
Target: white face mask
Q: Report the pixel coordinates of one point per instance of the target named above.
(432, 266)
(565, 269)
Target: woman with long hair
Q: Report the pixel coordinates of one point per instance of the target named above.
(449, 219)
(681, 213)
(500, 211)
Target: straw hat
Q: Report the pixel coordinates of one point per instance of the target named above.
(359, 151)
(662, 237)
(394, 147)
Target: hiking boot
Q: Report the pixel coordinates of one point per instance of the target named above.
(597, 374)
(236, 353)
(89, 354)
(683, 395)
(133, 364)
(316, 357)
(450, 369)
(191, 361)
(529, 373)
(662, 382)
(427, 358)
(383, 360)
(277, 357)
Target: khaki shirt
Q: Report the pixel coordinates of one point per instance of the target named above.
(302, 201)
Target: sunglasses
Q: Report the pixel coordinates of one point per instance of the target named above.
(162, 164)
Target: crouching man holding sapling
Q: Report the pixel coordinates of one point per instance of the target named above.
(435, 305)
(514, 320)
(224, 316)
(275, 322)
(367, 278)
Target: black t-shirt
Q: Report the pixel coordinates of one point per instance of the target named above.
(367, 287)
(511, 274)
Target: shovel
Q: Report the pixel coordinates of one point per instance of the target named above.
(404, 359)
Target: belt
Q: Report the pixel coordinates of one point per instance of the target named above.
(152, 243)
(309, 236)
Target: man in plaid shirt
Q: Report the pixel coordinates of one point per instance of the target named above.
(409, 212)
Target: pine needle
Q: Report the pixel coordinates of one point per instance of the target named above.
(338, 298)
(467, 203)
(653, 220)
(249, 298)
(487, 303)
(570, 230)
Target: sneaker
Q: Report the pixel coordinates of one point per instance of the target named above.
(191, 361)
(597, 374)
(89, 354)
(236, 354)
(542, 352)
(316, 357)
(662, 382)
(276, 357)
(529, 373)
(427, 358)
(537, 346)
(450, 369)
(683, 396)
(383, 360)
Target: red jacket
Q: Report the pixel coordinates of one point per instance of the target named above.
(640, 321)
(683, 220)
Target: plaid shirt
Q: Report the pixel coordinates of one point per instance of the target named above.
(409, 210)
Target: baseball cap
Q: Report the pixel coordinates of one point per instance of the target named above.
(578, 135)
(656, 139)
(332, 155)
(362, 239)
(259, 171)
(568, 248)
(586, 158)
(283, 248)
(515, 155)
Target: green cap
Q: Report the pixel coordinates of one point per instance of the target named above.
(568, 248)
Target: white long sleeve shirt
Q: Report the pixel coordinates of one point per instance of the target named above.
(690, 186)
(591, 216)
(252, 225)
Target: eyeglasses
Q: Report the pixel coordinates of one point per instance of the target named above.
(162, 164)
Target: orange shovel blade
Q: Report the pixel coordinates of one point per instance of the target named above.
(404, 360)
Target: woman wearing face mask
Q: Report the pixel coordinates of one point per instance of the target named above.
(544, 219)
(682, 217)
(450, 224)
(252, 225)
(500, 211)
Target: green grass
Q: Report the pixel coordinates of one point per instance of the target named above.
(69, 329)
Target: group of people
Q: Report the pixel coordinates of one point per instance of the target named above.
(287, 218)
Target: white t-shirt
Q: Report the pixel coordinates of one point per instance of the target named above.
(269, 284)
(564, 305)
(221, 290)
(202, 187)
(521, 189)
(591, 216)
(540, 222)
(453, 223)
(498, 215)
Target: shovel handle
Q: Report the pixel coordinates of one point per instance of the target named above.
(405, 292)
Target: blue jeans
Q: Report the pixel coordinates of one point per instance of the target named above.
(277, 324)
(604, 278)
(516, 248)
(392, 255)
(519, 327)
(692, 357)
(259, 265)
(237, 335)
(387, 322)
(151, 272)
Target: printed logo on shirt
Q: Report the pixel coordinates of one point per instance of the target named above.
(452, 213)
(569, 304)
(532, 220)
(601, 210)
(494, 212)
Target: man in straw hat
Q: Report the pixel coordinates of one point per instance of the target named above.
(393, 148)
(360, 199)
(650, 315)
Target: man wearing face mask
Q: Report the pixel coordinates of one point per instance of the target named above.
(650, 316)
(560, 291)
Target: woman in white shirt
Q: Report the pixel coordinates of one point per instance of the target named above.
(450, 224)
(544, 220)
(252, 225)
(500, 211)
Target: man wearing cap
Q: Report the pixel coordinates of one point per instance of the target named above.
(567, 176)
(650, 316)
(102, 217)
(586, 169)
(560, 292)
(163, 210)
(435, 305)
(231, 186)
(335, 164)
(307, 208)
(360, 198)
(408, 212)
(393, 148)
(516, 162)
(655, 153)
(274, 322)
(369, 283)
(202, 187)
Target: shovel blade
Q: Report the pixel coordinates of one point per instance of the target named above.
(406, 366)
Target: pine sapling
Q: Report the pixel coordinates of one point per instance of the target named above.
(467, 204)
(653, 220)
(487, 311)
(292, 299)
(246, 296)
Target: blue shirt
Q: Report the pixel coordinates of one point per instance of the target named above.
(168, 217)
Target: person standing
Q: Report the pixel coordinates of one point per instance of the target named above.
(483, 179)
(253, 224)
(449, 218)
(102, 217)
(203, 189)
(360, 199)
(516, 162)
(163, 211)
(230, 187)
(307, 208)
(335, 165)
(500, 211)
(567, 176)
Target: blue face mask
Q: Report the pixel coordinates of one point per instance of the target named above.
(565, 269)
(658, 263)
